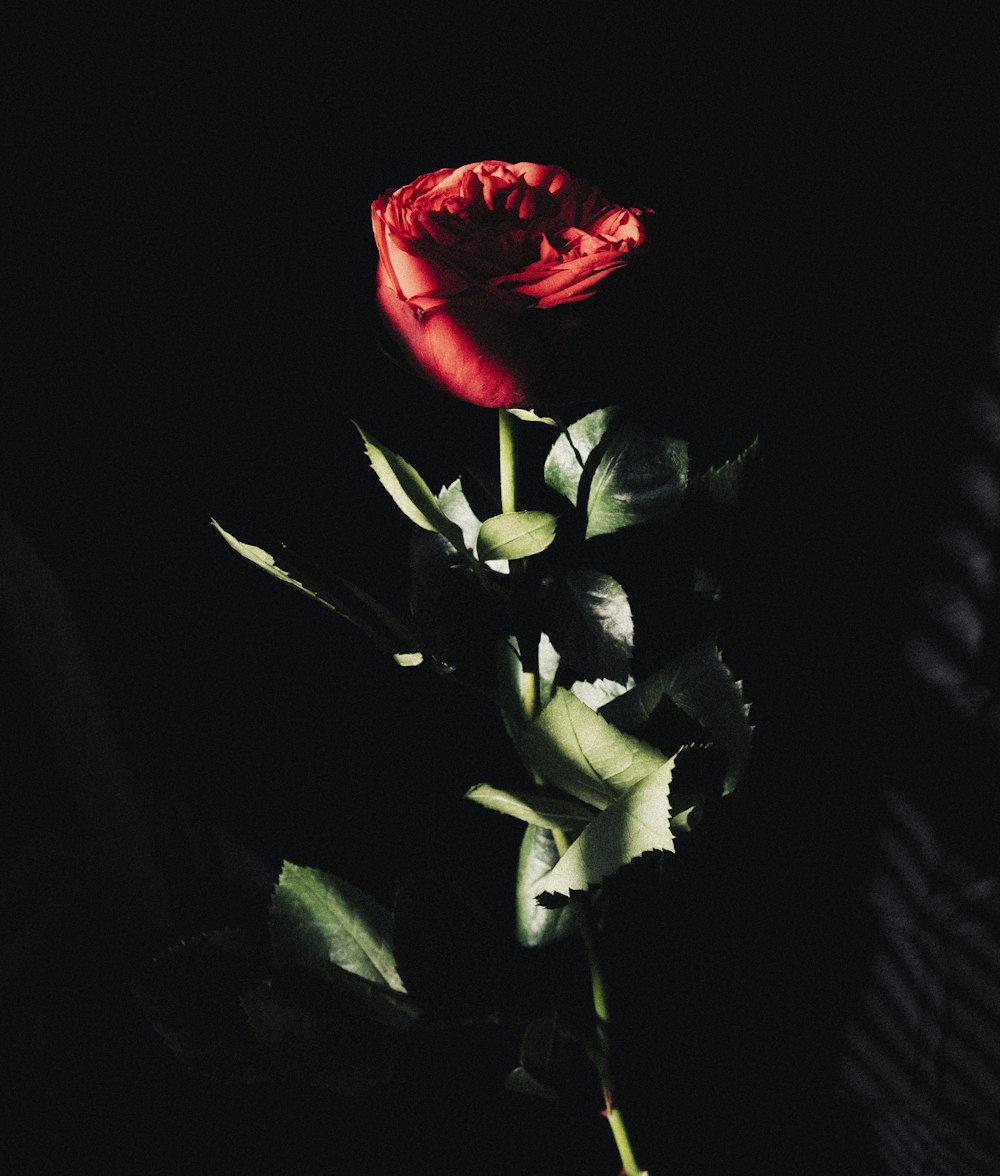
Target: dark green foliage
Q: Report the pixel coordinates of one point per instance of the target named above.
(191, 996)
(324, 1026)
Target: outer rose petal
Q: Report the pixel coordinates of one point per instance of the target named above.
(471, 347)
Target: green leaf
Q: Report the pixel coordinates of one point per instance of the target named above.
(599, 692)
(703, 686)
(521, 1081)
(546, 809)
(317, 917)
(725, 483)
(617, 473)
(589, 620)
(191, 997)
(527, 414)
(455, 506)
(516, 535)
(541, 1046)
(577, 750)
(638, 476)
(567, 458)
(548, 667)
(541, 1057)
(325, 1027)
(538, 926)
(380, 625)
(409, 491)
(634, 823)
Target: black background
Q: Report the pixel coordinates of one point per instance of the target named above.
(192, 278)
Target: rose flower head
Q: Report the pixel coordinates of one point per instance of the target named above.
(467, 256)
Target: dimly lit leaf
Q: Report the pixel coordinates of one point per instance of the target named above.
(725, 483)
(541, 1054)
(589, 620)
(191, 997)
(455, 506)
(538, 926)
(541, 1046)
(448, 604)
(521, 1081)
(552, 1063)
(638, 476)
(703, 686)
(509, 682)
(317, 917)
(516, 535)
(325, 1027)
(387, 630)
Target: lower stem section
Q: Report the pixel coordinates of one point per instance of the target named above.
(600, 1056)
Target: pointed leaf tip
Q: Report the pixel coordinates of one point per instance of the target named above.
(408, 490)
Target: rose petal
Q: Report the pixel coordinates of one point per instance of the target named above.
(451, 346)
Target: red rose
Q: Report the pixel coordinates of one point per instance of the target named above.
(466, 255)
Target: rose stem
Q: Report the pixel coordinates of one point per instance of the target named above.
(508, 462)
(530, 704)
(599, 998)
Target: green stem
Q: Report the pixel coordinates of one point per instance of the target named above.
(530, 700)
(508, 462)
(599, 996)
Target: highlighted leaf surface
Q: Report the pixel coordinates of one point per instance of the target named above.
(567, 459)
(634, 823)
(316, 917)
(516, 535)
(577, 750)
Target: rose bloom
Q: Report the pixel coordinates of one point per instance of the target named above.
(466, 256)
